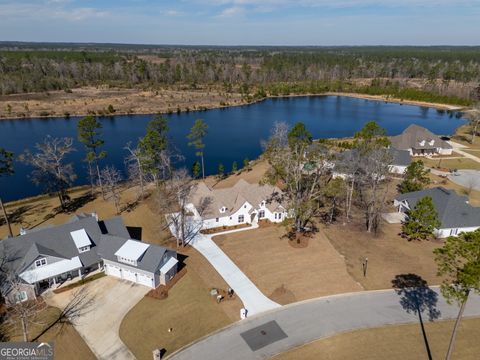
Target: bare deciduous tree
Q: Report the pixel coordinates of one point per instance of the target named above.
(302, 168)
(111, 179)
(474, 119)
(136, 173)
(50, 167)
(172, 201)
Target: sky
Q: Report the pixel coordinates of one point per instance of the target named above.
(243, 22)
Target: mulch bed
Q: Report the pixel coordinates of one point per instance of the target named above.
(299, 241)
(224, 293)
(224, 228)
(161, 292)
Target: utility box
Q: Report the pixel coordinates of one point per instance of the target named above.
(157, 354)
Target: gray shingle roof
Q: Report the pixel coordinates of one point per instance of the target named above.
(453, 209)
(106, 236)
(150, 260)
(399, 157)
(412, 137)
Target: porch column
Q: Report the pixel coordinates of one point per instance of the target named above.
(54, 281)
(80, 272)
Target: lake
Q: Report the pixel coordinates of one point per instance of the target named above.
(234, 133)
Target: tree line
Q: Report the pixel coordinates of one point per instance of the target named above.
(239, 69)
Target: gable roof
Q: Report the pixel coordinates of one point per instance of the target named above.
(52, 241)
(453, 210)
(412, 138)
(398, 157)
(234, 197)
(150, 260)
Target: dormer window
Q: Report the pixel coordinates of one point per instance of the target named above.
(83, 249)
(40, 262)
(223, 209)
(131, 252)
(422, 143)
(431, 142)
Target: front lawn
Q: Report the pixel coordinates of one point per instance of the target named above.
(394, 343)
(462, 163)
(68, 344)
(189, 311)
(283, 273)
(388, 254)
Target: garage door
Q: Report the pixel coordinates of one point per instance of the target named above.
(145, 280)
(113, 270)
(129, 275)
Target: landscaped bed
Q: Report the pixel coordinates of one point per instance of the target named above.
(79, 283)
(224, 228)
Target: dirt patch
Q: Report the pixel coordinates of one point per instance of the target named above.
(282, 295)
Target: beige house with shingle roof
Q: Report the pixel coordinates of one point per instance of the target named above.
(243, 203)
(419, 141)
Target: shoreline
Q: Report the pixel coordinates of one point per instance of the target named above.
(382, 98)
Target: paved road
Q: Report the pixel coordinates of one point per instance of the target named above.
(311, 320)
(253, 299)
(469, 179)
(100, 326)
(458, 149)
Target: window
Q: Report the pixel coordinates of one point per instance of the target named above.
(83, 249)
(216, 220)
(40, 262)
(241, 218)
(453, 232)
(244, 206)
(127, 261)
(21, 296)
(279, 216)
(261, 214)
(275, 215)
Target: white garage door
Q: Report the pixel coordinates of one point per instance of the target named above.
(113, 270)
(129, 275)
(145, 280)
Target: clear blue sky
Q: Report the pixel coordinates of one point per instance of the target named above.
(244, 22)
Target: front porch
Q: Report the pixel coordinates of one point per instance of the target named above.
(66, 278)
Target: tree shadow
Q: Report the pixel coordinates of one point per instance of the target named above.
(417, 298)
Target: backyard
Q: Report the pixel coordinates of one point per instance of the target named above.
(393, 343)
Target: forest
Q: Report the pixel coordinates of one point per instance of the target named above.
(436, 74)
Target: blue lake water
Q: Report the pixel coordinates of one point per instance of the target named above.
(234, 133)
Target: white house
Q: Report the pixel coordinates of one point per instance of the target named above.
(419, 141)
(44, 258)
(243, 203)
(456, 215)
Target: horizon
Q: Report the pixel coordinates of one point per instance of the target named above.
(243, 22)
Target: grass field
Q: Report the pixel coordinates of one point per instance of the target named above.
(68, 344)
(393, 343)
(283, 273)
(189, 310)
(388, 254)
(452, 164)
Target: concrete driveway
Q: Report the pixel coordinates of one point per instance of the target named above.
(253, 299)
(100, 326)
(469, 179)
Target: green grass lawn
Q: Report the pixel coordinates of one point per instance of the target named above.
(189, 309)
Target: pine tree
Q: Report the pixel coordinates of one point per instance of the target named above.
(415, 178)
(6, 169)
(234, 167)
(196, 169)
(422, 220)
(197, 134)
(221, 170)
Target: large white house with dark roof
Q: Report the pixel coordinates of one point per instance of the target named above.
(243, 203)
(44, 258)
(456, 215)
(419, 141)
